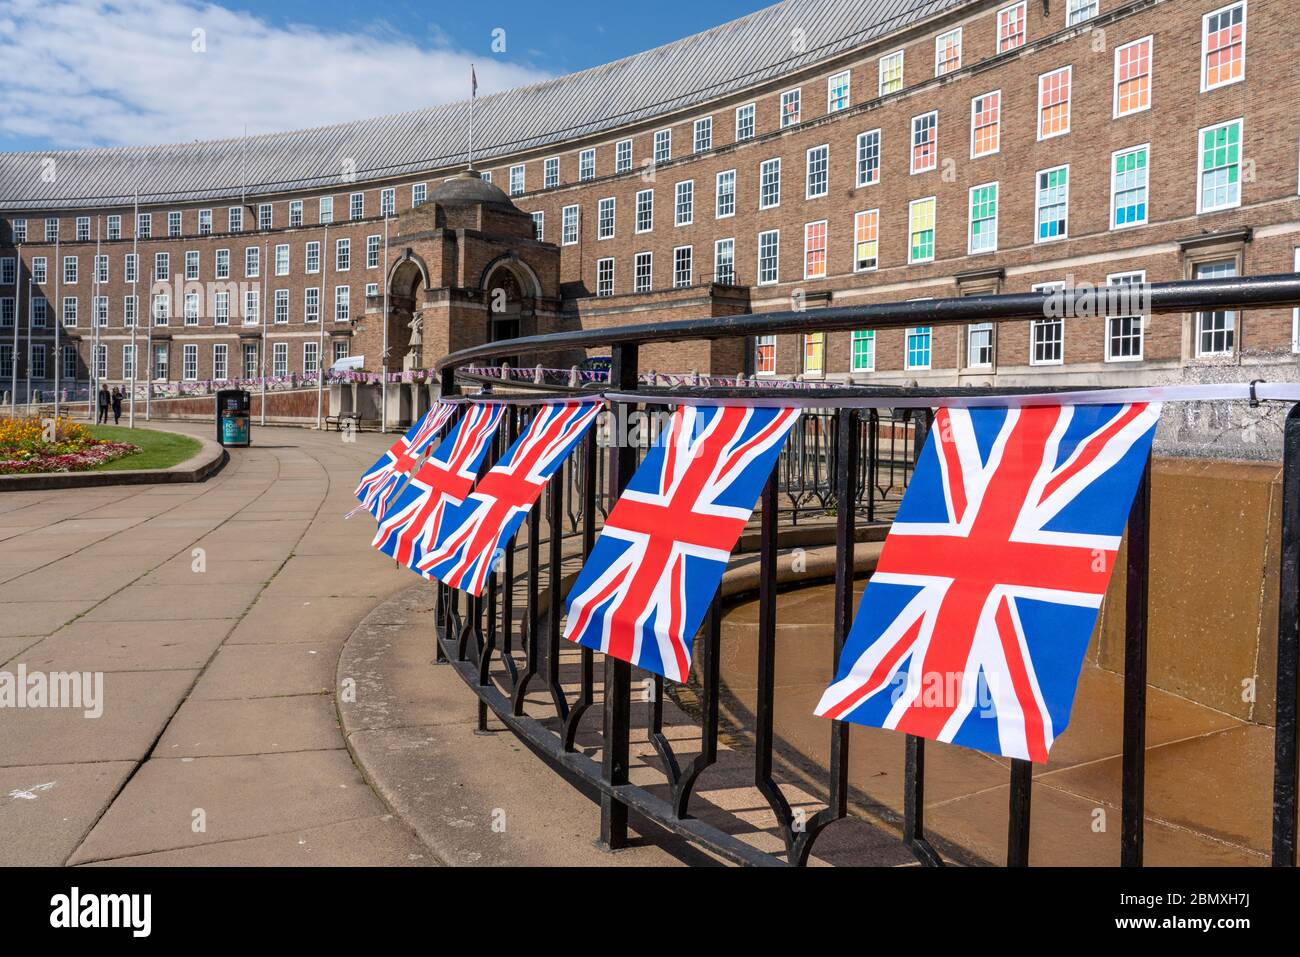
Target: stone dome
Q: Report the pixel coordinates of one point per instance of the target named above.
(468, 188)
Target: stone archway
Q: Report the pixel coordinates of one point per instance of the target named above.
(407, 281)
(510, 291)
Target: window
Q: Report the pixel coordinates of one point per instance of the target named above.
(190, 308)
(837, 92)
(682, 261)
(162, 309)
(7, 311)
(587, 164)
(191, 264)
(162, 269)
(221, 309)
(539, 225)
(925, 142)
(486, 177)
(235, 219)
(264, 218)
(310, 357)
(372, 253)
(69, 310)
(765, 355)
(222, 267)
(1220, 169)
(41, 310)
(623, 156)
(947, 52)
(295, 212)
(313, 257)
(130, 309)
(1011, 27)
(605, 218)
(1215, 330)
(357, 206)
(51, 230)
(979, 345)
(643, 272)
(280, 310)
(983, 236)
(128, 361)
(814, 250)
(1052, 204)
(869, 158)
(99, 309)
(863, 352)
(725, 194)
(605, 277)
(1124, 333)
(190, 362)
(569, 225)
(252, 307)
(20, 228)
(866, 240)
(985, 124)
(684, 203)
(745, 122)
(340, 349)
(387, 201)
(326, 214)
(814, 353)
(1223, 46)
(517, 180)
(769, 249)
(1054, 103)
(8, 270)
(113, 230)
(1128, 187)
(6, 361)
(83, 229)
(252, 262)
(769, 183)
(920, 228)
(663, 146)
(70, 362)
(342, 255)
(69, 270)
(220, 364)
(917, 351)
(891, 72)
(280, 359)
(101, 269)
(311, 304)
(724, 262)
(703, 138)
(420, 193)
(1077, 11)
(250, 360)
(645, 210)
(342, 303)
(205, 222)
(818, 172)
(1047, 336)
(790, 108)
(40, 270)
(551, 172)
(1133, 77)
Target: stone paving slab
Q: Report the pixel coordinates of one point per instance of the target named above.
(161, 603)
(39, 617)
(128, 646)
(251, 726)
(265, 671)
(45, 810)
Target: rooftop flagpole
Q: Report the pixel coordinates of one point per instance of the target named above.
(473, 92)
(135, 323)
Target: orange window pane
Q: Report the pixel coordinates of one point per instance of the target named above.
(1225, 57)
(986, 112)
(1054, 103)
(1133, 78)
(815, 250)
(1011, 28)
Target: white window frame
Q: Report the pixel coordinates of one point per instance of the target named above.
(870, 335)
(516, 179)
(663, 138)
(684, 203)
(929, 352)
(859, 151)
(762, 203)
(605, 277)
(973, 101)
(649, 261)
(1047, 287)
(808, 172)
(1065, 233)
(970, 219)
(564, 225)
(997, 38)
(1142, 327)
(622, 157)
(586, 165)
(718, 245)
(911, 144)
(934, 228)
(690, 278)
(1114, 192)
(703, 125)
(606, 203)
(649, 206)
(797, 93)
(1200, 192)
(880, 72)
(938, 46)
(1205, 37)
(550, 172)
(753, 121)
(1115, 114)
(847, 76)
(1069, 113)
(1071, 11)
(971, 330)
(718, 194)
(776, 259)
(826, 249)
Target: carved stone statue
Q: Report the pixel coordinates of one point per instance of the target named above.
(415, 325)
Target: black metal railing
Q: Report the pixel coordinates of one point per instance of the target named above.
(544, 691)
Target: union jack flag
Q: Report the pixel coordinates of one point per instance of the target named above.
(659, 560)
(472, 533)
(410, 525)
(974, 626)
(382, 479)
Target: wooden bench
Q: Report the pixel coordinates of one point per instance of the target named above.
(338, 420)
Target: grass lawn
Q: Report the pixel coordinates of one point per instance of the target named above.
(160, 449)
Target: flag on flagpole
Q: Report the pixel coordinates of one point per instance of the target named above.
(473, 82)
(974, 626)
(659, 560)
(382, 479)
(410, 525)
(473, 533)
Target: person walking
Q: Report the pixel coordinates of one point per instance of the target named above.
(117, 405)
(103, 405)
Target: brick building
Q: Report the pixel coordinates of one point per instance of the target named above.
(816, 152)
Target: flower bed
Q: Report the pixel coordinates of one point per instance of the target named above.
(29, 445)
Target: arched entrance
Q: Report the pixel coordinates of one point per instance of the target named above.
(406, 284)
(511, 291)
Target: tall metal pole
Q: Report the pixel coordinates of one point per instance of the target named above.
(18, 295)
(324, 284)
(148, 342)
(383, 359)
(18, 303)
(58, 328)
(94, 330)
(262, 347)
(135, 294)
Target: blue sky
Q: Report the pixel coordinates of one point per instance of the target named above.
(136, 72)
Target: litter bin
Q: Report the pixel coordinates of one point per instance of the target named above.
(234, 416)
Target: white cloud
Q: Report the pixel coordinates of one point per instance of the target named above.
(89, 73)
